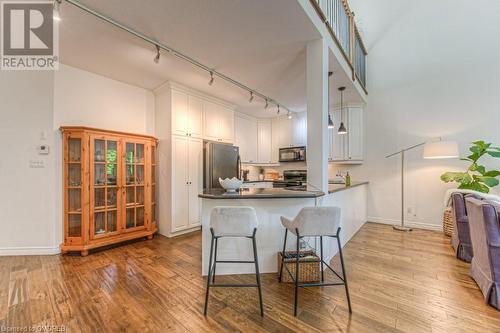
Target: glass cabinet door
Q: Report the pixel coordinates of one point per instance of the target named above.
(73, 186)
(105, 190)
(134, 184)
(153, 184)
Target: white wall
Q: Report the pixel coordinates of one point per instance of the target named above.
(36, 104)
(433, 70)
(27, 208)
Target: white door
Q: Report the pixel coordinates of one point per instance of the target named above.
(179, 113)
(355, 134)
(338, 140)
(195, 160)
(299, 129)
(211, 121)
(226, 123)
(180, 176)
(195, 117)
(245, 129)
(264, 139)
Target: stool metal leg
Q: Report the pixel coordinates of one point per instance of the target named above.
(283, 255)
(209, 271)
(257, 273)
(296, 275)
(215, 260)
(343, 274)
(321, 249)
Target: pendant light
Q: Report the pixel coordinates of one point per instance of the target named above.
(342, 129)
(330, 121)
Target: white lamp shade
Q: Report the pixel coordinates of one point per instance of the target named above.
(441, 149)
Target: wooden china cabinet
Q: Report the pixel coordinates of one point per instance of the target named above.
(109, 187)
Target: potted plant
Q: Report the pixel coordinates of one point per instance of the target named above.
(476, 177)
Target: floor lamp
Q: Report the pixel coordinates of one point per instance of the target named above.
(432, 150)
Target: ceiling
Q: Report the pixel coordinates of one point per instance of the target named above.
(259, 43)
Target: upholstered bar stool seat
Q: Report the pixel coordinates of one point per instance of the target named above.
(314, 222)
(232, 222)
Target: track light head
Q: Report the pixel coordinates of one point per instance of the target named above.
(55, 15)
(211, 79)
(267, 104)
(289, 115)
(157, 57)
(278, 112)
(250, 100)
(330, 122)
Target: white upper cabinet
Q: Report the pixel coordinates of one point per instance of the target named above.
(281, 136)
(218, 124)
(355, 133)
(245, 129)
(179, 113)
(187, 114)
(347, 148)
(264, 139)
(299, 123)
(195, 117)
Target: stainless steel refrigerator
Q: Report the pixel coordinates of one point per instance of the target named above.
(219, 160)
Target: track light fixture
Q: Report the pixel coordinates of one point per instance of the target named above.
(211, 79)
(289, 115)
(157, 58)
(164, 47)
(55, 15)
(251, 97)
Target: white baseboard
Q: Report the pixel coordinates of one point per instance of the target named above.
(181, 232)
(419, 225)
(29, 251)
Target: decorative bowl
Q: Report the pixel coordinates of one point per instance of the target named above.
(230, 185)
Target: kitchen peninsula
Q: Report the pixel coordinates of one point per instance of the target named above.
(270, 204)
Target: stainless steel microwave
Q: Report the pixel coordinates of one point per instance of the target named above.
(292, 154)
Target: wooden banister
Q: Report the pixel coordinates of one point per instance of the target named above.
(339, 20)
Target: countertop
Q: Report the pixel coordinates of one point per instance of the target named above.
(332, 188)
(259, 181)
(259, 193)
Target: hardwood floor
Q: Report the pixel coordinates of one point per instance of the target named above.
(399, 282)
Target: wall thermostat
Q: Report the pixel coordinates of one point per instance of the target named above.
(43, 149)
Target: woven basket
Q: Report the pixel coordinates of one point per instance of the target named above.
(309, 270)
(448, 222)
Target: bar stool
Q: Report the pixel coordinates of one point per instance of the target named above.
(232, 222)
(314, 222)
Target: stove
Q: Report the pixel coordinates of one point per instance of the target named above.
(292, 179)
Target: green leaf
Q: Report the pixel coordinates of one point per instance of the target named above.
(492, 173)
(478, 143)
(466, 159)
(459, 177)
(490, 181)
(481, 169)
(475, 186)
(493, 153)
(474, 157)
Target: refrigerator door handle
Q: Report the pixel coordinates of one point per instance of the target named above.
(238, 167)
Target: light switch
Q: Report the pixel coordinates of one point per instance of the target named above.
(37, 164)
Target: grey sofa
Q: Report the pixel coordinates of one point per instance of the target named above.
(484, 222)
(460, 238)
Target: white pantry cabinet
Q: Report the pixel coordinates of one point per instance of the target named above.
(218, 123)
(347, 148)
(183, 118)
(187, 182)
(245, 137)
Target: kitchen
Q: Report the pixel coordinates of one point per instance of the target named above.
(202, 139)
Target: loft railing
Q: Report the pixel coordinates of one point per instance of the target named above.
(340, 23)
